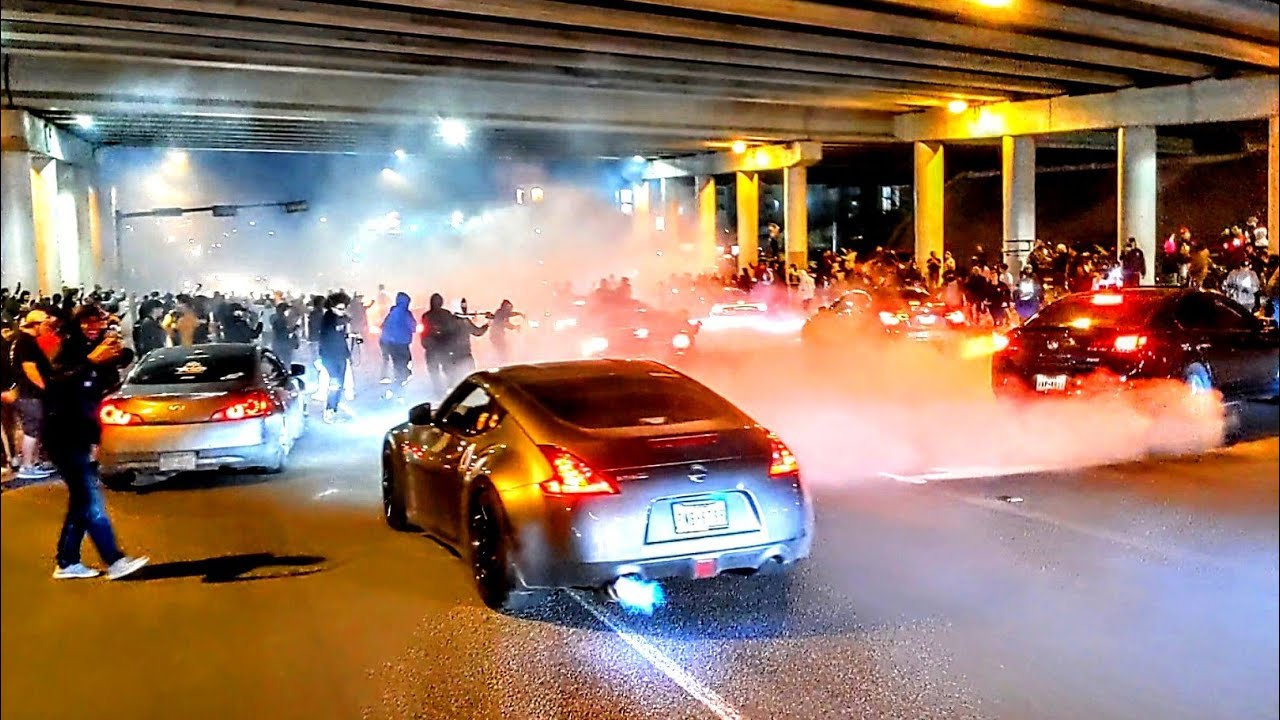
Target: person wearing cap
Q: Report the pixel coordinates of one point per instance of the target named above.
(31, 370)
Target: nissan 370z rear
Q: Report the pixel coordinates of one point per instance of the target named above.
(578, 474)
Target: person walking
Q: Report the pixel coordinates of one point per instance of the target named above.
(79, 377)
(31, 368)
(439, 326)
(335, 352)
(396, 337)
(284, 334)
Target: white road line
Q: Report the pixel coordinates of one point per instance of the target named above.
(647, 650)
(1169, 552)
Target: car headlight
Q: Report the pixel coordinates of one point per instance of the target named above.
(889, 318)
(641, 333)
(955, 316)
(594, 346)
(681, 341)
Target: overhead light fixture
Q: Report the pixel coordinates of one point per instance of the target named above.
(739, 147)
(956, 107)
(401, 154)
(84, 121)
(453, 131)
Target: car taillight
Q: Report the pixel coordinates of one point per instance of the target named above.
(111, 414)
(255, 404)
(999, 342)
(782, 462)
(571, 476)
(1129, 343)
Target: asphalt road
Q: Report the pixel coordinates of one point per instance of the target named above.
(1135, 590)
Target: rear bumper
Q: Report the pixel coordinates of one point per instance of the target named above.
(236, 445)
(590, 544)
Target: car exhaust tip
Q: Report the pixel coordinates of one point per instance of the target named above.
(636, 594)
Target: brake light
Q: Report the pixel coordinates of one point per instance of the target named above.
(111, 414)
(572, 476)
(1107, 299)
(1130, 343)
(782, 462)
(258, 403)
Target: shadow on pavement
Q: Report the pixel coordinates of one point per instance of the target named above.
(234, 568)
(205, 480)
(1256, 421)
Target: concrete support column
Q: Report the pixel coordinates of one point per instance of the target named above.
(795, 190)
(642, 212)
(1273, 183)
(1136, 191)
(706, 241)
(17, 229)
(1018, 162)
(929, 188)
(748, 191)
(44, 209)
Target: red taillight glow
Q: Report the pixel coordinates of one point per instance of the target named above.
(1107, 299)
(256, 404)
(999, 342)
(1130, 343)
(782, 462)
(572, 476)
(111, 414)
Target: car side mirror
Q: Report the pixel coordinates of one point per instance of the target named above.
(421, 415)
(297, 370)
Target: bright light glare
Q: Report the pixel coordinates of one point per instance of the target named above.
(401, 154)
(1082, 323)
(957, 106)
(453, 131)
(324, 219)
(84, 121)
(739, 147)
(638, 595)
(457, 219)
(995, 3)
(177, 157)
(594, 346)
(1108, 299)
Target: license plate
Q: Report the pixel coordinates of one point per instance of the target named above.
(177, 461)
(701, 516)
(1049, 383)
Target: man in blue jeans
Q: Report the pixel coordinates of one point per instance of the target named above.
(335, 352)
(85, 367)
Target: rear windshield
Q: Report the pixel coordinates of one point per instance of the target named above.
(195, 368)
(607, 402)
(1084, 312)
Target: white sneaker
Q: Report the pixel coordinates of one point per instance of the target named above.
(126, 566)
(75, 572)
(328, 417)
(385, 381)
(32, 472)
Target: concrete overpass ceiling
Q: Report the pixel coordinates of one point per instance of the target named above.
(550, 76)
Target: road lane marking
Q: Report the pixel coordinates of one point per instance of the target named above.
(660, 660)
(1170, 552)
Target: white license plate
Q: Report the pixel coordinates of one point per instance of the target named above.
(177, 461)
(701, 516)
(1050, 383)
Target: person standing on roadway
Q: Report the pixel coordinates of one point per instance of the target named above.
(461, 362)
(81, 374)
(335, 352)
(438, 328)
(397, 334)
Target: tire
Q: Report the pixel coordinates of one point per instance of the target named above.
(392, 500)
(119, 482)
(490, 564)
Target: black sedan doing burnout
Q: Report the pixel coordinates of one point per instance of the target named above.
(595, 474)
(1100, 341)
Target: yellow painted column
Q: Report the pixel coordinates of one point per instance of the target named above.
(17, 236)
(748, 190)
(929, 189)
(795, 190)
(707, 242)
(95, 237)
(44, 203)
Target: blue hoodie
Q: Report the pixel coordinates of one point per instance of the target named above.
(400, 326)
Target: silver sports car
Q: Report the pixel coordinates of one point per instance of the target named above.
(577, 474)
(208, 407)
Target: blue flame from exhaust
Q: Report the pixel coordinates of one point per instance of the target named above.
(637, 595)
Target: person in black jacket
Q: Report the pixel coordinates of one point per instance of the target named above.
(335, 351)
(149, 334)
(439, 326)
(85, 369)
(284, 334)
(236, 327)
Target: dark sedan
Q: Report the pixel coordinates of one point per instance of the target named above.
(1099, 341)
(908, 312)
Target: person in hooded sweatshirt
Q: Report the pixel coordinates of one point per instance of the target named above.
(397, 334)
(439, 328)
(335, 351)
(236, 327)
